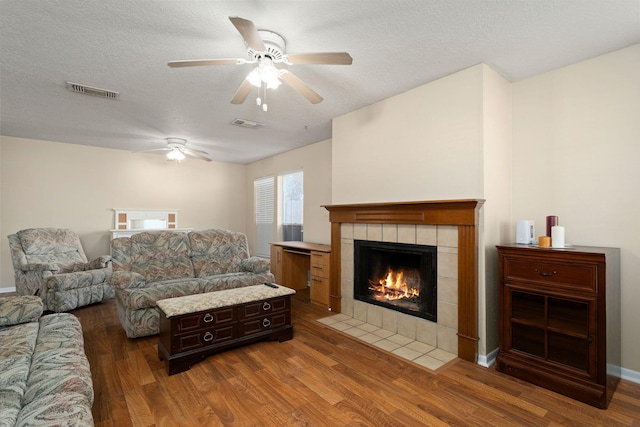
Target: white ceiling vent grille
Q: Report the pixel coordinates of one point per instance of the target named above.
(243, 123)
(90, 90)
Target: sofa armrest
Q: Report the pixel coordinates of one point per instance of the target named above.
(103, 261)
(127, 280)
(40, 267)
(19, 309)
(255, 265)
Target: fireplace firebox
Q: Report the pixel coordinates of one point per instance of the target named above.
(397, 276)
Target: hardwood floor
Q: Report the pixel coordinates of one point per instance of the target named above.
(319, 378)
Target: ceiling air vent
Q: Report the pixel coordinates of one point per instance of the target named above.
(243, 123)
(94, 91)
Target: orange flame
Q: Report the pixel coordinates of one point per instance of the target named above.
(393, 287)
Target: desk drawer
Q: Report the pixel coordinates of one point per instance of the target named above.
(553, 273)
(320, 262)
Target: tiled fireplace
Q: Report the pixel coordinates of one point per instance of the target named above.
(440, 333)
(451, 228)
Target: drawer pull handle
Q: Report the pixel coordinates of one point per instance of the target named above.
(266, 323)
(208, 337)
(208, 318)
(266, 306)
(545, 274)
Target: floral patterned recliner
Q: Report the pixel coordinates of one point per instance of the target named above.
(156, 265)
(50, 263)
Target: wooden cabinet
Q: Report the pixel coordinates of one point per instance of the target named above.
(560, 319)
(296, 264)
(320, 269)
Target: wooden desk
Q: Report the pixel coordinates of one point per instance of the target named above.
(296, 263)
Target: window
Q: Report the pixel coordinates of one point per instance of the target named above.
(292, 205)
(264, 190)
(289, 210)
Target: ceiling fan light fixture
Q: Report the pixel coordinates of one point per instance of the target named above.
(265, 73)
(175, 154)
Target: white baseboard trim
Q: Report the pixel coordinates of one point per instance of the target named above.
(7, 290)
(489, 359)
(629, 375)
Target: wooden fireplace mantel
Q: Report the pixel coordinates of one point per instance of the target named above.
(461, 213)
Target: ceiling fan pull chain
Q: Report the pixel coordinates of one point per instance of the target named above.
(264, 104)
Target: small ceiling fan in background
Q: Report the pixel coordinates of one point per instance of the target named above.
(176, 150)
(266, 49)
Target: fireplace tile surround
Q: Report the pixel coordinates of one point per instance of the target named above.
(453, 227)
(443, 334)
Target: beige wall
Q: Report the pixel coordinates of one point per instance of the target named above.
(48, 184)
(424, 144)
(576, 154)
(315, 161)
(496, 213)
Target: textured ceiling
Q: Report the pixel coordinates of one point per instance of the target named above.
(124, 46)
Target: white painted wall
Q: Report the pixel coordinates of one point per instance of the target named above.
(496, 213)
(425, 144)
(315, 161)
(576, 154)
(49, 184)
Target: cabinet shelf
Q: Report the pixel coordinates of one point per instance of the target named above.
(561, 331)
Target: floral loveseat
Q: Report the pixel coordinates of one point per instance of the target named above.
(50, 263)
(156, 265)
(45, 378)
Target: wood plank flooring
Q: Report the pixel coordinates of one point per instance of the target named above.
(319, 378)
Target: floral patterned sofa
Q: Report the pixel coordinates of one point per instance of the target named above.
(155, 265)
(45, 378)
(50, 263)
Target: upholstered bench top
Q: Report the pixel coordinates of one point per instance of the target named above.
(207, 301)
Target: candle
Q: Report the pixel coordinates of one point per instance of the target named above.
(557, 236)
(544, 241)
(552, 220)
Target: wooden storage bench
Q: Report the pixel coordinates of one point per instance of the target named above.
(195, 326)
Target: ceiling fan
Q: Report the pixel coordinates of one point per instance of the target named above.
(177, 150)
(266, 49)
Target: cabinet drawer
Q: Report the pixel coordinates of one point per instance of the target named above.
(202, 319)
(552, 273)
(264, 323)
(196, 339)
(261, 308)
(319, 293)
(320, 264)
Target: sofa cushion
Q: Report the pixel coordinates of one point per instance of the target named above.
(19, 309)
(62, 409)
(18, 340)
(161, 255)
(234, 280)
(135, 298)
(217, 251)
(40, 241)
(13, 381)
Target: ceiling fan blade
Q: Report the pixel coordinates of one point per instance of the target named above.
(243, 91)
(300, 86)
(332, 58)
(199, 62)
(154, 150)
(249, 33)
(197, 154)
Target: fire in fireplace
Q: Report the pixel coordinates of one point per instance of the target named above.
(398, 276)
